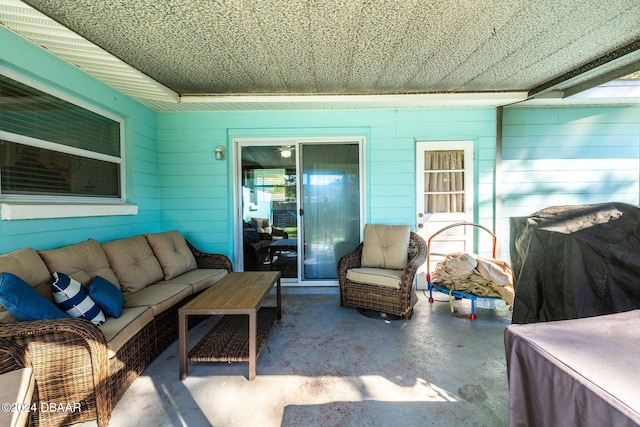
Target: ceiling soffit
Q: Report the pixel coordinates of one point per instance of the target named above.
(201, 52)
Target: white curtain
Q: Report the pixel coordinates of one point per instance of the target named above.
(331, 203)
(443, 176)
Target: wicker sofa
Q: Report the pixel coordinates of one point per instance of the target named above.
(85, 367)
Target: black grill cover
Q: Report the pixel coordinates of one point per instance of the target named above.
(575, 261)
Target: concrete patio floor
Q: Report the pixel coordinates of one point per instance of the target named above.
(326, 365)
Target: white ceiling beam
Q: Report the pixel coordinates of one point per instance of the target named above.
(487, 99)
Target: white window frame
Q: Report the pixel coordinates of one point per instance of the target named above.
(14, 207)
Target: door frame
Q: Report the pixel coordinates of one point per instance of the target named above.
(238, 143)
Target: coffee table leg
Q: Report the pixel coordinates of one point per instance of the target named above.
(182, 345)
(279, 299)
(252, 344)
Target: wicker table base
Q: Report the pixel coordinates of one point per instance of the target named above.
(228, 340)
(242, 332)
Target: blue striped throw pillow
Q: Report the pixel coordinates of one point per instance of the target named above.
(72, 298)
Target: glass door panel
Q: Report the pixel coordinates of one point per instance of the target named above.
(269, 209)
(330, 206)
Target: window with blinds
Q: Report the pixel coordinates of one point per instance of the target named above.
(55, 148)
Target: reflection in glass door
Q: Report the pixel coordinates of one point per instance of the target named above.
(269, 209)
(330, 206)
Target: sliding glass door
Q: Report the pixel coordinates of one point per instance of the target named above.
(269, 195)
(330, 206)
(300, 206)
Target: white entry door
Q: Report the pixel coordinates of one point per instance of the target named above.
(444, 173)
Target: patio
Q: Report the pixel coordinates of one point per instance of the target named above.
(329, 365)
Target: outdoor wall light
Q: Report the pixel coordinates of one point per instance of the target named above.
(220, 152)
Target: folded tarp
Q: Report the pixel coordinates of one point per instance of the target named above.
(472, 274)
(575, 261)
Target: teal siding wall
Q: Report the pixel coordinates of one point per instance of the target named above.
(197, 193)
(551, 156)
(31, 61)
(567, 156)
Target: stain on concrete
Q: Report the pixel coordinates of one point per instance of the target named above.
(472, 393)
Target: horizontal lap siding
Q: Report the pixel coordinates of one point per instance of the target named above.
(569, 156)
(193, 184)
(197, 189)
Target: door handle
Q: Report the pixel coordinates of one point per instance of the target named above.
(301, 212)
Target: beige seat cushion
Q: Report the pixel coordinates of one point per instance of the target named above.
(263, 225)
(376, 276)
(173, 253)
(158, 297)
(17, 387)
(385, 246)
(118, 331)
(198, 279)
(27, 265)
(134, 262)
(82, 262)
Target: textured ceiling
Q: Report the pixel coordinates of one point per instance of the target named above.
(355, 47)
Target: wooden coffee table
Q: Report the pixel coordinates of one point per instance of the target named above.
(233, 338)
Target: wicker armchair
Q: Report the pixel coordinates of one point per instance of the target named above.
(398, 302)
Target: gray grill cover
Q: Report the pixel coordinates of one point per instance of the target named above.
(575, 261)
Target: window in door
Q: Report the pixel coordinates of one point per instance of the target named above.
(444, 181)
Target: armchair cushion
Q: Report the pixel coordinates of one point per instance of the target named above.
(376, 276)
(385, 246)
(173, 253)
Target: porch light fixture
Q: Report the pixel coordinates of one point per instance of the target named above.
(220, 152)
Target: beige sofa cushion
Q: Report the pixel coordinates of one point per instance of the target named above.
(199, 279)
(27, 265)
(118, 331)
(385, 246)
(133, 262)
(159, 297)
(173, 253)
(376, 276)
(82, 262)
